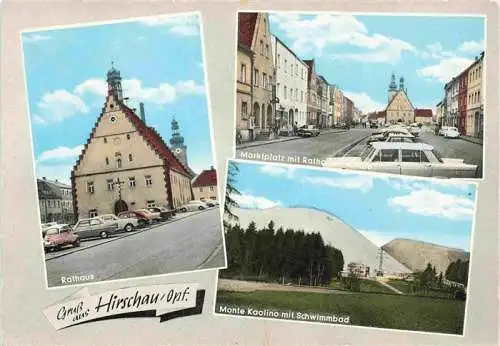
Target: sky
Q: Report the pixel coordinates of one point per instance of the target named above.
(381, 207)
(360, 52)
(161, 64)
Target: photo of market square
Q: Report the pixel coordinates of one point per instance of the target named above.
(123, 150)
(400, 94)
(329, 246)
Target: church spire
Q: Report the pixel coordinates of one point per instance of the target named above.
(114, 81)
(392, 86)
(402, 84)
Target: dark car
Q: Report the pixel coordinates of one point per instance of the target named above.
(165, 213)
(308, 130)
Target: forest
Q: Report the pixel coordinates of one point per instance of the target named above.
(277, 255)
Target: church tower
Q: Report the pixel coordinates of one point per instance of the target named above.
(402, 84)
(177, 143)
(115, 83)
(393, 89)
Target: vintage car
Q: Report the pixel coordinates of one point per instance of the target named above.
(142, 219)
(124, 224)
(416, 159)
(94, 227)
(58, 236)
(451, 132)
(151, 216)
(442, 130)
(164, 213)
(414, 130)
(401, 137)
(308, 130)
(193, 206)
(384, 134)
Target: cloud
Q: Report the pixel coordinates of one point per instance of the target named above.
(36, 38)
(436, 51)
(312, 36)
(255, 202)
(187, 25)
(363, 183)
(133, 88)
(60, 153)
(428, 202)
(472, 46)
(37, 119)
(377, 238)
(60, 104)
(364, 102)
(189, 87)
(277, 171)
(445, 70)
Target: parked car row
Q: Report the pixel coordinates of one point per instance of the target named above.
(396, 149)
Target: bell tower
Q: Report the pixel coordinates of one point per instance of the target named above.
(402, 84)
(177, 143)
(393, 89)
(114, 81)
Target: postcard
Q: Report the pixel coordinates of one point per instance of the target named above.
(362, 91)
(122, 149)
(349, 248)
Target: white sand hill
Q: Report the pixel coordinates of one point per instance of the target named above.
(354, 246)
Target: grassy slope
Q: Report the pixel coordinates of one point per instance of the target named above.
(364, 309)
(365, 286)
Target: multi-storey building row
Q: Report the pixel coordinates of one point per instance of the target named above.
(463, 103)
(277, 91)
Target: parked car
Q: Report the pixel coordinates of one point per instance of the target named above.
(383, 135)
(126, 224)
(416, 159)
(142, 219)
(193, 206)
(211, 204)
(58, 236)
(442, 130)
(308, 130)
(401, 137)
(415, 130)
(451, 132)
(152, 217)
(164, 213)
(94, 227)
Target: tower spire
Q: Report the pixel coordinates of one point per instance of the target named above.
(114, 81)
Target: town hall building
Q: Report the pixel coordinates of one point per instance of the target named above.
(126, 165)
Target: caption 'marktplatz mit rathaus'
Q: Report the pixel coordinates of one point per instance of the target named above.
(125, 164)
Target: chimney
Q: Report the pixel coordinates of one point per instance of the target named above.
(141, 110)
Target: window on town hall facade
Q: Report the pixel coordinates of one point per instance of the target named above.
(118, 163)
(151, 204)
(286, 69)
(256, 77)
(149, 181)
(201, 189)
(284, 92)
(93, 213)
(211, 189)
(131, 182)
(90, 187)
(261, 47)
(110, 184)
(130, 157)
(107, 161)
(244, 110)
(105, 140)
(267, 51)
(264, 80)
(243, 73)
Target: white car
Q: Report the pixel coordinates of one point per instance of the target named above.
(415, 130)
(193, 206)
(442, 130)
(401, 137)
(416, 159)
(384, 134)
(124, 223)
(451, 132)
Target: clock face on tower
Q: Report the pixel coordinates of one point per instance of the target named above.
(113, 119)
(178, 150)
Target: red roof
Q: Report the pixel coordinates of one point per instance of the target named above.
(423, 113)
(246, 28)
(206, 178)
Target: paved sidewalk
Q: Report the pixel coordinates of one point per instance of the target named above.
(472, 139)
(283, 139)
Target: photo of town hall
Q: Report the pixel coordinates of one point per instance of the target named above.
(124, 172)
(348, 91)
